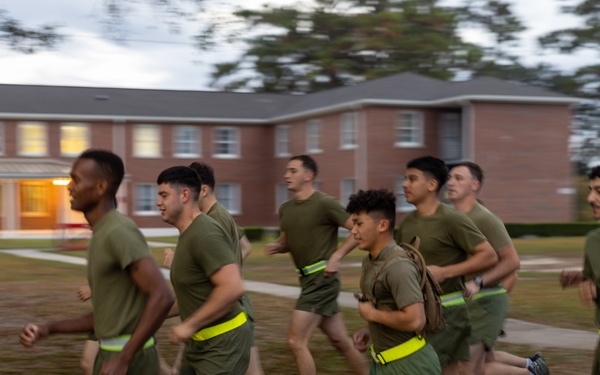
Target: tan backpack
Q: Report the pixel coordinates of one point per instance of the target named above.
(430, 288)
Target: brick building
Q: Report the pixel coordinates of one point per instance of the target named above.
(361, 136)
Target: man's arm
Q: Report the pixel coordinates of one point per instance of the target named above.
(334, 262)
(410, 318)
(148, 278)
(31, 332)
(228, 289)
(482, 257)
(277, 247)
(508, 264)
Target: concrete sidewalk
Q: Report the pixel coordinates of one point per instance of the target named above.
(517, 331)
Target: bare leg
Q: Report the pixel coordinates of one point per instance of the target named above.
(301, 329)
(452, 368)
(177, 365)
(510, 359)
(498, 368)
(335, 330)
(164, 369)
(254, 368)
(476, 363)
(88, 356)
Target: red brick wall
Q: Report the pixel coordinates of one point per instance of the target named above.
(523, 149)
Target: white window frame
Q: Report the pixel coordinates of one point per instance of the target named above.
(401, 204)
(87, 139)
(233, 142)
(282, 194)
(415, 128)
(193, 141)
(20, 139)
(348, 131)
(314, 130)
(150, 200)
(347, 188)
(137, 143)
(233, 200)
(282, 140)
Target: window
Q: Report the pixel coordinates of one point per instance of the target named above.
(313, 136)
(146, 141)
(348, 188)
(450, 134)
(226, 142)
(34, 198)
(32, 139)
(282, 140)
(348, 131)
(401, 204)
(145, 199)
(229, 196)
(74, 138)
(281, 195)
(409, 129)
(186, 141)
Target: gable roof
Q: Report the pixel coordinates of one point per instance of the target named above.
(93, 103)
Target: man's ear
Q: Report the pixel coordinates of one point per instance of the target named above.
(383, 225)
(102, 187)
(185, 194)
(204, 190)
(432, 184)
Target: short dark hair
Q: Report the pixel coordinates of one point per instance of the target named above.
(110, 166)
(432, 166)
(206, 173)
(474, 169)
(594, 172)
(381, 202)
(181, 176)
(307, 162)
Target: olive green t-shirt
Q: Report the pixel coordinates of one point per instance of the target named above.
(202, 249)
(591, 264)
(311, 227)
(220, 214)
(397, 286)
(447, 237)
(117, 302)
(491, 226)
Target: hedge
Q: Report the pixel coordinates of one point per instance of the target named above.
(516, 230)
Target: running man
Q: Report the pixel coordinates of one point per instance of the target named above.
(309, 225)
(588, 280)
(452, 247)
(394, 309)
(130, 298)
(207, 281)
(487, 299)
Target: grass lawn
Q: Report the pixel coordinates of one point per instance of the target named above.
(34, 290)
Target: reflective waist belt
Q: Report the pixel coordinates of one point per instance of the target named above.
(452, 299)
(116, 344)
(398, 352)
(219, 329)
(486, 292)
(313, 268)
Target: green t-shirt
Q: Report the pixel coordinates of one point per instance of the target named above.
(117, 301)
(447, 237)
(491, 226)
(202, 249)
(219, 213)
(311, 227)
(591, 263)
(397, 286)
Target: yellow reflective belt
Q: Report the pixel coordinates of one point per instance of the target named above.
(116, 344)
(398, 352)
(313, 268)
(452, 299)
(219, 329)
(486, 292)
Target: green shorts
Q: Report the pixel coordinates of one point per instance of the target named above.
(487, 318)
(144, 361)
(451, 343)
(249, 309)
(319, 294)
(596, 364)
(423, 361)
(226, 354)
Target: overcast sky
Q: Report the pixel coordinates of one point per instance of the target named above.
(155, 58)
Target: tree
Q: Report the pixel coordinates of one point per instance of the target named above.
(24, 39)
(340, 43)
